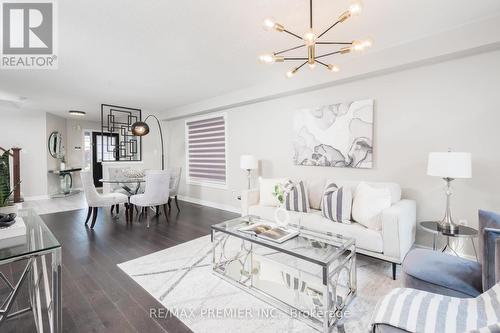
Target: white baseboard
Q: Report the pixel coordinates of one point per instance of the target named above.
(209, 204)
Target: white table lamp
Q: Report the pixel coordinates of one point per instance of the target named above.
(248, 163)
(449, 166)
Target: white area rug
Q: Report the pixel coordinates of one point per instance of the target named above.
(181, 279)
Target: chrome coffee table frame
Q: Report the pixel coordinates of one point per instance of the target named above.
(343, 259)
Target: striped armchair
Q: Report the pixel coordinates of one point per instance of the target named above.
(416, 311)
(447, 293)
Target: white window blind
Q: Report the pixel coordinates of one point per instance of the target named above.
(206, 150)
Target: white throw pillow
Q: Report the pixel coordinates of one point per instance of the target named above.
(368, 204)
(266, 186)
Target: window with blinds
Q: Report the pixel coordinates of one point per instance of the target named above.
(206, 150)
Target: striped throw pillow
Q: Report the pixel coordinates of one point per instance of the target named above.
(296, 198)
(336, 204)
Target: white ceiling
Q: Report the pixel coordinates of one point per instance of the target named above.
(159, 54)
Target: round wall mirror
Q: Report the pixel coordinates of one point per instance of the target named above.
(56, 148)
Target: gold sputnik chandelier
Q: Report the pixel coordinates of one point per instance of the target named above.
(310, 39)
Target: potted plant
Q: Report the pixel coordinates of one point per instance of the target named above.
(8, 210)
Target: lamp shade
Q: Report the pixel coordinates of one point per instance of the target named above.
(248, 162)
(140, 128)
(450, 165)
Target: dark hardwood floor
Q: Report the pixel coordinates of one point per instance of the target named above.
(97, 295)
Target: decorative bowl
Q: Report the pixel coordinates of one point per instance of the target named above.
(6, 220)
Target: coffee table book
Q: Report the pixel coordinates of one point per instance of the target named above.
(270, 232)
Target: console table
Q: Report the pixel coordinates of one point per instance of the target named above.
(66, 182)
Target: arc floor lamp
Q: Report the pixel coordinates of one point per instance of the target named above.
(141, 128)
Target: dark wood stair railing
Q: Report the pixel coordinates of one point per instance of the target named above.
(16, 175)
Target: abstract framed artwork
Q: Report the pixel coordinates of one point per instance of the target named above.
(118, 142)
(335, 135)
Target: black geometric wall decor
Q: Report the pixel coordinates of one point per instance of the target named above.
(116, 133)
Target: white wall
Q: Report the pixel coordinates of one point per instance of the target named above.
(449, 104)
(18, 129)
(71, 130)
(151, 147)
(75, 158)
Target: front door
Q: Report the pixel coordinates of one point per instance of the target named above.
(99, 148)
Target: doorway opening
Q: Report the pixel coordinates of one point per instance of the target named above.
(100, 151)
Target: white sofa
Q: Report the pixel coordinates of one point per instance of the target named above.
(391, 243)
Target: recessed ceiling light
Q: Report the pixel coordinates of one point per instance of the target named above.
(77, 113)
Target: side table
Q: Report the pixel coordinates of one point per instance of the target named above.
(462, 232)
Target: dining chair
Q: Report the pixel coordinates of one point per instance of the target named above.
(96, 200)
(117, 173)
(156, 193)
(175, 179)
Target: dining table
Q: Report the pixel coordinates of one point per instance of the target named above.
(131, 185)
(126, 183)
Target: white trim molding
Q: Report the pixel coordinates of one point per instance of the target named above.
(210, 204)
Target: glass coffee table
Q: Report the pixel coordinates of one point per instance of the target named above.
(40, 252)
(311, 277)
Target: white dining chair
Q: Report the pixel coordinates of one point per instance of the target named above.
(156, 193)
(116, 173)
(96, 200)
(175, 179)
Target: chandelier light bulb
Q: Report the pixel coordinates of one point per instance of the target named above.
(266, 58)
(358, 45)
(367, 42)
(291, 73)
(361, 45)
(312, 65)
(333, 68)
(310, 38)
(355, 7)
(269, 23)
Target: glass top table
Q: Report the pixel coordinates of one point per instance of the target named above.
(312, 274)
(309, 245)
(40, 252)
(462, 231)
(123, 181)
(38, 239)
